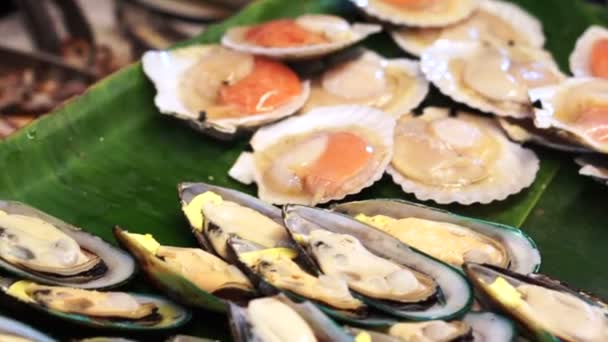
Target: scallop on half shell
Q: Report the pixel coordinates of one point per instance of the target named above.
(323, 155)
(220, 91)
(494, 19)
(395, 86)
(578, 106)
(489, 76)
(307, 36)
(590, 55)
(421, 13)
(465, 159)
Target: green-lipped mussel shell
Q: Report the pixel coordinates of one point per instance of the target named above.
(170, 315)
(175, 285)
(322, 326)
(523, 254)
(455, 294)
(483, 275)
(120, 267)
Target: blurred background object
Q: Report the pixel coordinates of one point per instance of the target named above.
(52, 50)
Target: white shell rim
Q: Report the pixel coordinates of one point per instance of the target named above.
(359, 32)
(579, 58)
(372, 119)
(543, 117)
(528, 167)
(165, 68)
(435, 61)
(465, 11)
(521, 21)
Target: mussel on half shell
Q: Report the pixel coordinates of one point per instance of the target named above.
(461, 238)
(417, 287)
(43, 248)
(475, 326)
(191, 276)
(108, 310)
(279, 319)
(548, 309)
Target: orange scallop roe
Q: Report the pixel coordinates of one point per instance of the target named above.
(345, 155)
(599, 59)
(282, 33)
(412, 4)
(269, 85)
(595, 122)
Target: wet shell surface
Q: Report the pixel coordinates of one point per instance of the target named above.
(578, 106)
(494, 19)
(544, 307)
(109, 310)
(189, 275)
(524, 131)
(312, 36)
(469, 158)
(293, 161)
(395, 86)
(590, 55)
(451, 238)
(45, 249)
(473, 73)
(418, 13)
(197, 84)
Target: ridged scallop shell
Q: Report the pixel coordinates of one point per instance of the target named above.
(459, 10)
(371, 120)
(435, 62)
(403, 102)
(524, 131)
(521, 21)
(579, 58)
(544, 117)
(233, 39)
(514, 170)
(165, 70)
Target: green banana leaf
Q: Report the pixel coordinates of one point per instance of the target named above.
(109, 158)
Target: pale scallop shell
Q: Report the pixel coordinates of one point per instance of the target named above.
(404, 103)
(524, 131)
(544, 116)
(165, 69)
(387, 13)
(233, 39)
(579, 58)
(332, 117)
(522, 21)
(435, 63)
(515, 170)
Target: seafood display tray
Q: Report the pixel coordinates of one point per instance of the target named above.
(108, 158)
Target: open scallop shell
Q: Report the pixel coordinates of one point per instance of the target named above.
(456, 10)
(580, 57)
(524, 131)
(529, 29)
(549, 98)
(405, 85)
(514, 170)
(374, 124)
(340, 34)
(436, 63)
(166, 68)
